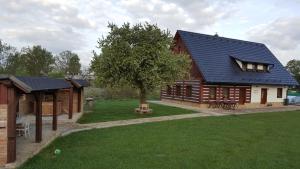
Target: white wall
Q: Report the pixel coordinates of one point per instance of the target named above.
(272, 93)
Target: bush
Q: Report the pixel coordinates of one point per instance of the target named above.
(117, 93)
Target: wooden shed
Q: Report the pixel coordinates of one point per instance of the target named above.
(36, 95)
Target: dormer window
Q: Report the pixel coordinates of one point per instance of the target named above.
(249, 66)
(260, 67)
(253, 66)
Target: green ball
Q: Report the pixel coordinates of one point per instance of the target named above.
(57, 151)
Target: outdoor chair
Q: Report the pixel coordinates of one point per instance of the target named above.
(23, 129)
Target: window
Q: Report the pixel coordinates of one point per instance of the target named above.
(249, 66)
(260, 67)
(225, 93)
(188, 91)
(212, 93)
(279, 92)
(178, 90)
(169, 90)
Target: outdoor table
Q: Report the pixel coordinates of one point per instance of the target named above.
(215, 104)
(230, 105)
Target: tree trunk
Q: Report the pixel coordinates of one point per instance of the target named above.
(143, 95)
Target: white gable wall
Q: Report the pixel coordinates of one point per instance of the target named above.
(272, 93)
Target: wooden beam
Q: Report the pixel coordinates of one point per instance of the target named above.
(70, 103)
(54, 114)
(38, 117)
(11, 124)
(79, 100)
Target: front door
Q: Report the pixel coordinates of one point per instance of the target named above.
(242, 95)
(264, 94)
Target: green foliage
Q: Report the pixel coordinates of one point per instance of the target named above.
(255, 141)
(109, 110)
(56, 74)
(10, 61)
(138, 56)
(37, 60)
(68, 63)
(294, 67)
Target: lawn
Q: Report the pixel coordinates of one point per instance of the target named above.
(256, 141)
(109, 110)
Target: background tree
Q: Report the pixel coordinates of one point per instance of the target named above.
(9, 60)
(294, 67)
(68, 63)
(138, 56)
(37, 61)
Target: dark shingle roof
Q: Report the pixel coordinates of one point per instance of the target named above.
(44, 83)
(214, 58)
(81, 82)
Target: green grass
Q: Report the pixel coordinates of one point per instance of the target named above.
(256, 141)
(109, 110)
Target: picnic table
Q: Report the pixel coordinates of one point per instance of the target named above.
(227, 104)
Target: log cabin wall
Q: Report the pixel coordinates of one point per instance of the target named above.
(27, 104)
(187, 90)
(75, 100)
(234, 93)
(3, 124)
(63, 97)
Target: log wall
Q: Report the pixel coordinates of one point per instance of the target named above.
(195, 91)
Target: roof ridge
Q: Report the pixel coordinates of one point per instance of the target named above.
(224, 38)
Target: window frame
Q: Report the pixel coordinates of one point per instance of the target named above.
(178, 90)
(188, 90)
(214, 93)
(169, 90)
(227, 89)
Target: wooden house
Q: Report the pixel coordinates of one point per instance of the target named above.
(225, 69)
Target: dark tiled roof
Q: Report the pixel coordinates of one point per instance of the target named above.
(81, 82)
(213, 56)
(44, 83)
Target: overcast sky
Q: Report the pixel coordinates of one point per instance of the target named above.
(77, 24)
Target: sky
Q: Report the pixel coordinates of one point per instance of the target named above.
(76, 25)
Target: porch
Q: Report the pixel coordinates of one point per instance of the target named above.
(26, 147)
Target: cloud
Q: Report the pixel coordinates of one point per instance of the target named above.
(281, 35)
(55, 39)
(191, 15)
(55, 26)
(77, 24)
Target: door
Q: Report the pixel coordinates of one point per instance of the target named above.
(242, 95)
(264, 94)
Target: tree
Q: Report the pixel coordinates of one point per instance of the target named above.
(9, 59)
(68, 63)
(138, 56)
(37, 61)
(293, 66)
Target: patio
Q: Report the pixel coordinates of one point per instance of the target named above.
(27, 147)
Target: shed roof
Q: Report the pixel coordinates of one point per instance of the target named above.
(79, 82)
(213, 57)
(44, 83)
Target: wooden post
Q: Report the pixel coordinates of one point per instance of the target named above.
(38, 117)
(54, 115)
(79, 100)
(70, 103)
(11, 124)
